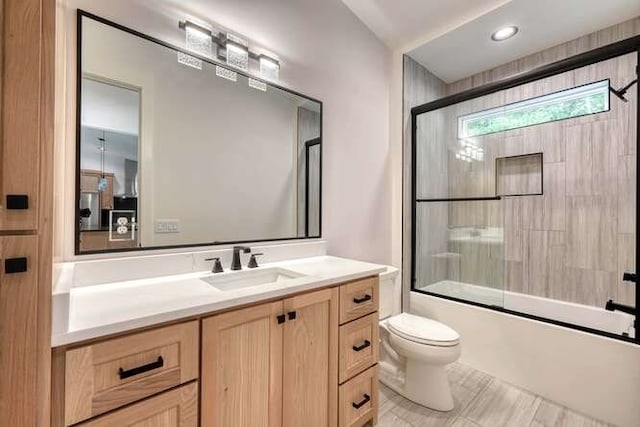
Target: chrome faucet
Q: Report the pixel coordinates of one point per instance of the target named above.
(235, 262)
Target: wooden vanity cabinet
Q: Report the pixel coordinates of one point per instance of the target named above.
(287, 363)
(277, 364)
(272, 365)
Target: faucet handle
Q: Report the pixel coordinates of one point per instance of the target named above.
(253, 263)
(217, 265)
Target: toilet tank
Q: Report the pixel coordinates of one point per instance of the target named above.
(390, 293)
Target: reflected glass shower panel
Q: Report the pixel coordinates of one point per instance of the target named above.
(460, 252)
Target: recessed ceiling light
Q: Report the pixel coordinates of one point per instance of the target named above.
(504, 33)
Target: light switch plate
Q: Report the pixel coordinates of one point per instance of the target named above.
(167, 226)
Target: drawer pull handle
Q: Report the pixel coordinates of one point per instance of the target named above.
(292, 315)
(141, 369)
(15, 265)
(281, 318)
(17, 201)
(363, 402)
(365, 298)
(362, 346)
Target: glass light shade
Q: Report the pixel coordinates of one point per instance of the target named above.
(237, 55)
(269, 68)
(198, 40)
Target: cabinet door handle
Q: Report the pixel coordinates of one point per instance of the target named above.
(363, 402)
(362, 346)
(365, 298)
(15, 265)
(292, 315)
(141, 369)
(17, 201)
(281, 318)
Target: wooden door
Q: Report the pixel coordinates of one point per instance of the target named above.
(18, 329)
(310, 357)
(242, 368)
(175, 408)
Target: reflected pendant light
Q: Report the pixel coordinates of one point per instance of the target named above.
(102, 184)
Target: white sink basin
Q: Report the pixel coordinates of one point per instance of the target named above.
(233, 280)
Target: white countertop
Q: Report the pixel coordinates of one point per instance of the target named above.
(110, 308)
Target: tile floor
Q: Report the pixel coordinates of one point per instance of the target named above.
(481, 401)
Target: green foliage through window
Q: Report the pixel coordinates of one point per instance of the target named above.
(579, 101)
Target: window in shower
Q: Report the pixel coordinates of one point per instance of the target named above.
(538, 221)
(575, 102)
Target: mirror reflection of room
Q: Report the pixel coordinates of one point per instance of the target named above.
(109, 138)
(188, 163)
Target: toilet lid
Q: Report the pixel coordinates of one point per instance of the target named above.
(422, 330)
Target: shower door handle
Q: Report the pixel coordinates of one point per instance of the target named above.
(629, 277)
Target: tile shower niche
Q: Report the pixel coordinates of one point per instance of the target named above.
(519, 175)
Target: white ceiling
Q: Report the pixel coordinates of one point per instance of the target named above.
(468, 49)
(452, 38)
(400, 23)
(110, 107)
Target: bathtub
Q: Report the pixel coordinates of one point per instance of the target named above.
(586, 316)
(586, 372)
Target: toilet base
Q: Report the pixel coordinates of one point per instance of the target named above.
(428, 385)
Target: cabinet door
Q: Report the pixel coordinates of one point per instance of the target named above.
(242, 368)
(175, 408)
(310, 354)
(89, 181)
(18, 329)
(20, 130)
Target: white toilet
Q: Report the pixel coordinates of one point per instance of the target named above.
(414, 350)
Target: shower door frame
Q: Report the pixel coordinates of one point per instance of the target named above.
(591, 57)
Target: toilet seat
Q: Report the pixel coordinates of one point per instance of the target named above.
(422, 330)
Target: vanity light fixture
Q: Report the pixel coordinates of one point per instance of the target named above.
(227, 47)
(504, 33)
(269, 68)
(197, 39)
(237, 53)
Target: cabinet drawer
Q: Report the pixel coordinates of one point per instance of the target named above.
(104, 376)
(358, 346)
(359, 400)
(175, 408)
(89, 182)
(358, 299)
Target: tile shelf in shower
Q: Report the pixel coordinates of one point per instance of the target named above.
(515, 176)
(520, 175)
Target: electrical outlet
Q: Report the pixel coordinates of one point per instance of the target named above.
(167, 226)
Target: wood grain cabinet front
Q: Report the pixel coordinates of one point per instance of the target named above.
(107, 375)
(174, 408)
(358, 346)
(358, 299)
(272, 365)
(359, 400)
